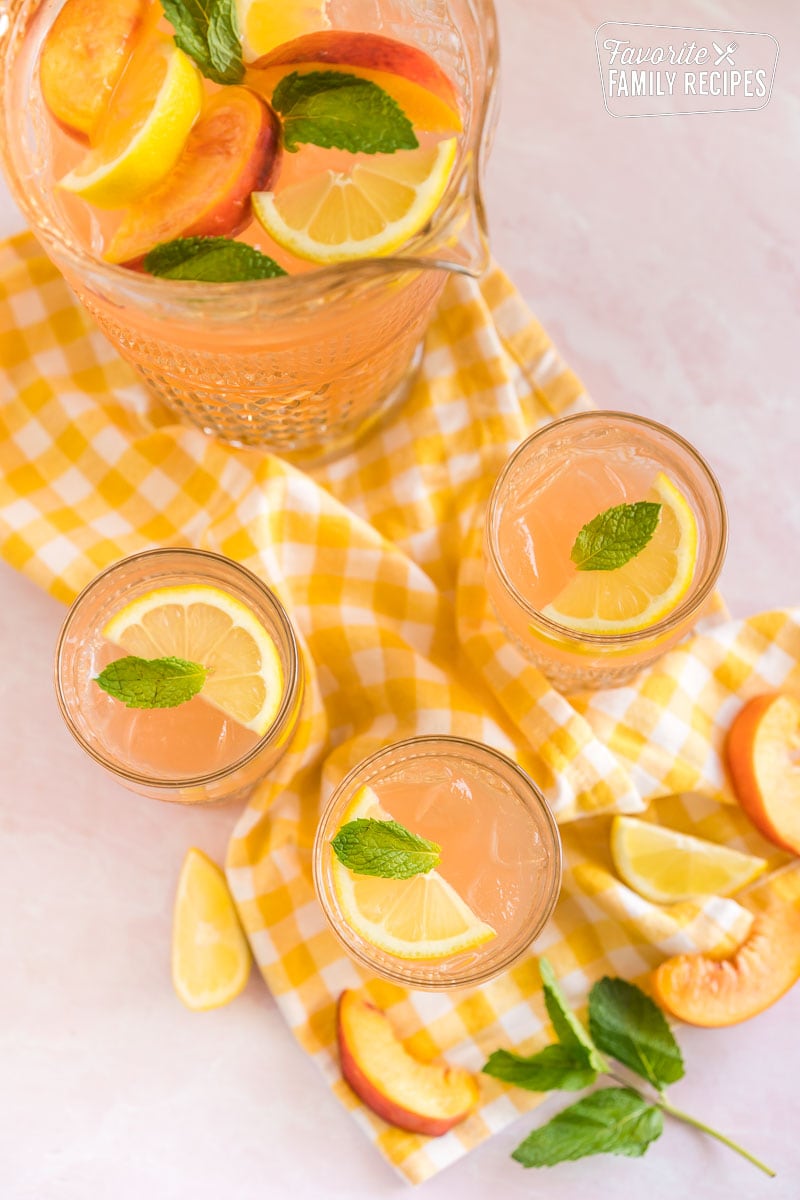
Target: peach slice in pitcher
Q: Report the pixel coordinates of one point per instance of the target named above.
(83, 57)
(233, 150)
(409, 75)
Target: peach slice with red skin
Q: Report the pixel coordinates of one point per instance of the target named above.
(763, 756)
(84, 55)
(232, 151)
(420, 1097)
(703, 990)
(409, 75)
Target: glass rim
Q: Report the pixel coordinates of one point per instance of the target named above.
(310, 286)
(699, 591)
(292, 679)
(535, 801)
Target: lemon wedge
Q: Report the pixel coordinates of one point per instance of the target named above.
(141, 136)
(371, 210)
(206, 625)
(210, 954)
(666, 866)
(648, 587)
(421, 917)
(265, 24)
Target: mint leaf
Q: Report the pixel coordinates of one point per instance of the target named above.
(611, 1121)
(207, 31)
(384, 848)
(152, 682)
(627, 1024)
(337, 110)
(555, 1067)
(210, 260)
(615, 536)
(569, 1030)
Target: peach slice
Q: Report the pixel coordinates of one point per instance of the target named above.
(232, 151)
(417, 83)
(83, 56)
(420, 1097)
(703, 990)
(762, 752)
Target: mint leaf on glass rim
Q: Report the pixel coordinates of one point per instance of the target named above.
(615, 536)
(207, 31)
(569, 1030)
(341, 111)
(556, 1067)
(152, 682)
(611, 1121)
(631, 1028)
(384, 848)
(210, 260)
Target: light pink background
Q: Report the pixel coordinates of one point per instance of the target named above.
(662, 255)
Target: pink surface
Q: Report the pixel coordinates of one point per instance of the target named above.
(662, 256)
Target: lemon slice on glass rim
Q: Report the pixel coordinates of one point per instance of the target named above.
(205, 625)
(421, 917)
(371, 210)
(648, 587)
(667, 867)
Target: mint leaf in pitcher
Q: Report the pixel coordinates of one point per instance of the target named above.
(207, 31)
(341, 111)
(210, 260)
(152, 682)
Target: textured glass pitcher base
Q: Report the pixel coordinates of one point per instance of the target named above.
(307, 402)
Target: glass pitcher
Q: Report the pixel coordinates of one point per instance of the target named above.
(299, 364)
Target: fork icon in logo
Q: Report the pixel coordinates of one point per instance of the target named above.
(725, 53)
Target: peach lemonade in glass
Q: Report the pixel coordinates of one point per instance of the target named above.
(258, 200)
(605, 534)
(437, 862)
(178, 671)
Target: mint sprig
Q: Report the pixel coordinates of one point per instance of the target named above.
(626, 1025)
(612, 1121)
(210, 260)
(384, 848)
(615, 536)
(341, 111)
(207, 31)
(152, 682)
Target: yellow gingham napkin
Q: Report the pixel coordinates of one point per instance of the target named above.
(377, 559)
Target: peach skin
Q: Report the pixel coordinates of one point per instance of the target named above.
(763, 754)
(420, 1097)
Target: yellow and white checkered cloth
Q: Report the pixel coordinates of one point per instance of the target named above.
(377, 559)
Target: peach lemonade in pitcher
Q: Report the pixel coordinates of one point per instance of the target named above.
(244, 139)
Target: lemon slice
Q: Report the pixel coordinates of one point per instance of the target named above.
(666, 866)
(265, 24)
(646, 588)
(373, 209)
(143, 132)
(422, 917)
(210, 954)
(206, 625)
